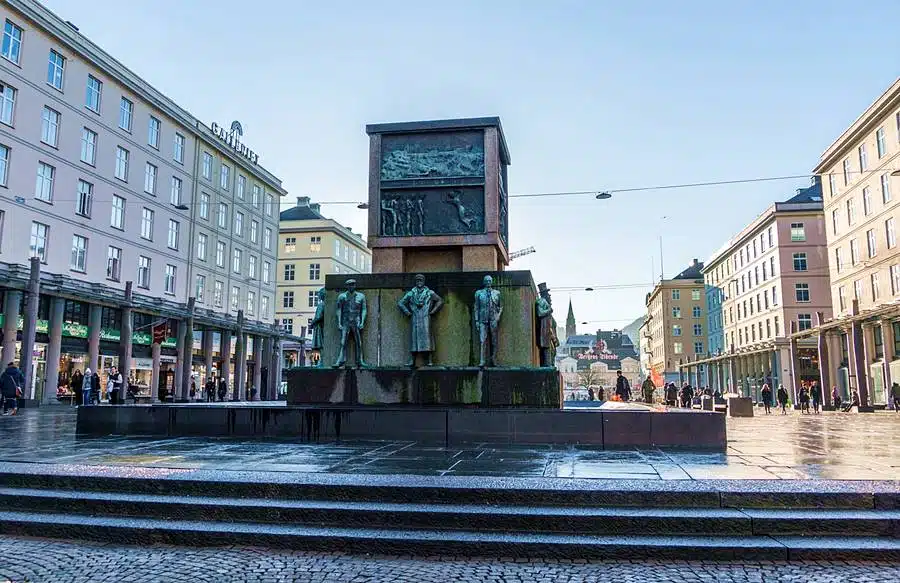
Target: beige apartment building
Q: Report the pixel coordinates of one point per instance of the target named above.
(310, 247)
(862, 207)
(676, 324)
(769, 279)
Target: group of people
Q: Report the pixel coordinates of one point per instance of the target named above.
(673, 396)
(214, 388)
(86, 387)
(811, 394)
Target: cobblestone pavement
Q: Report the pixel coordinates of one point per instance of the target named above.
(40, 560)
(830, 446)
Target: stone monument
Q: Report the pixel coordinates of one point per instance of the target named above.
(350, 309)
(420, 304)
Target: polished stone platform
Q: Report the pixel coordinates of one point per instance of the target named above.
(632, 426)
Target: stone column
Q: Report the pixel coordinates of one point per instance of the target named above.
(126, 340)
(29, 327)
(226, 355)
(95, 321)
(265, 391)
(887, 340)
(54, 349)
(257, 368)
(10, 325)
(278, 360)
(156, 354)
(775, 366)
(824, 356)
(732, 371)
(180, 362)
(208, 353)
(680, 372)
(868, 341)
(184, 382)
(240, 360)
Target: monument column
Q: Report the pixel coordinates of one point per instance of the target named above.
(54, 349)
(95, 320)
(11, 304)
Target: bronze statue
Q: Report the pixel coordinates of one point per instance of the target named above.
(420, 303)
(488, 309)
(318, 325)
(351, 318)
(546, 338)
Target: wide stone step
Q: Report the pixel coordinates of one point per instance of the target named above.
(430, 542)
(462, 517)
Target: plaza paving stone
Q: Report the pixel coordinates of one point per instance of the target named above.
(41, 560)
(829, 446)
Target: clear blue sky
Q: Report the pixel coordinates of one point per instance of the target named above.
(593, 94)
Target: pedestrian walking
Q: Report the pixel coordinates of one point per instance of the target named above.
(647, 390)
(193, 392)
(12, 386)
(895, 395)
(75, 384)
(803, 397)
(210, 389)
(623, 388)
(816, 394)
(95, 388)
(767, 398)
(671, 395)
(782, 399)
(116, 394)
(687, 394)
(835, 398)
(86, 384)
(223, 388)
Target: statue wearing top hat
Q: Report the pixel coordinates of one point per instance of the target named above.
(547, 340)
(350, 309)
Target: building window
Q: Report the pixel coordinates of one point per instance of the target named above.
(154, 127)
(220, 254)
(676, 293)
(267, 239)
(698, 347)
(251, 303)
(851, 211)
(4, 164)
(79, 254)
(799, 261)
(174, 228)
(121, 163)
(88, 146)
(264, 307)
(315, 244)
(237, 257)
(895, 280)
(863, 158)
(43, 188)
(256, 193)
(867, 200)
(224, 177)
(871, 244)
(766, 298)
(857, 290)
(170, 279)
(695, 311)
(175, 192)
(846, 168)
(695, 295)
(289, 272)
(287, 325)
(38, 244)
(93, 93)
(85, 199)
(12, 42)
(879, 142)
(202, 241)
(207, 165)
(200, 287)
(804, 321)
(288, 299)
(854, 252)
(886, 188)
(126, 114)
(113, 263)
(290, 244)
(314, 270)
(251, 267)
(56, 66)
(774, 295)
(873, 280)
(204, 206)
(178, 149)
(117, 214)
(235, 297)
(147, 224)
(798, 232)
(223, 215)
(267, 272)
(239, 224)
(7, 104)
(150, 178)
(838, 259)
(677, 348)
(143, 274)
(312, 299)
(834, 221)
(254, 231)
(676, 330)
(890, 236)
(676, 312)
(241, 185)
(218, 292)
(337, 253)
(50, 126)
(698, 330)
(842, 297)
(802, 292)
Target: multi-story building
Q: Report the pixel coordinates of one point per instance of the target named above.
(310, 247)
(111, 184)
(676, 310)
(769, 278)
(862, 208)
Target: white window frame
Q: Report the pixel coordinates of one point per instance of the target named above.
(886, 188)
(170, 280)
(7, 104)
(221, 251)
(50, 121)
(204, 206)
(122, 162)
(254, 231)
(113, 263)
(147, 219)
(202, 246)
(43, 187)
(56, 70)
(218, 293)
(223, 215)
(88, 146)
(154, 132)
(84, 201)
(78, 260)
(174, 233)
(13, 36)
(225, 177)
(39, 240)
(117, 213)
(207, 166)
(199, 287)
(267, 239)
(4, 164)
(93, 97)
(871, 243)
(126, 114)
(880, 142)
(889, 233)
(178, 148)
(237, 259)
(145, 264)
(151, 173)
(867, 200)
(175, 191)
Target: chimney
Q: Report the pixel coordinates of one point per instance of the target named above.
(314, 206)
(696, 261)
(302, 201)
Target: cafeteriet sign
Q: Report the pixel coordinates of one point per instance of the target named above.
(233, 139)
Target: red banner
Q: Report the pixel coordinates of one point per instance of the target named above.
(159, 333)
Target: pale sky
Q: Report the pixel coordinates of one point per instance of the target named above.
(593, 95)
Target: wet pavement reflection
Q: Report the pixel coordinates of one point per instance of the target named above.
(830, 446)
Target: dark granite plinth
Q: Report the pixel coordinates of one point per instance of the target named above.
(463, 386)
(435, 424)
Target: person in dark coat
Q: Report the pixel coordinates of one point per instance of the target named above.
(75, 384)
(835, 398)
(12, 384)
(95, 388)
(623, 389)
(815, 392)
(210, 389)
(803, 397)
(671, 395)
(767, 398)
(223, 388)
(782, 399)
(687, 394)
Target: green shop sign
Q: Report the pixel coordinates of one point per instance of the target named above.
(42, 325)
(146, 338)
(74, 330)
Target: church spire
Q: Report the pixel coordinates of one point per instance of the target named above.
(570, 321)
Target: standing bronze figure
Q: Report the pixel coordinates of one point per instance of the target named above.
(488, 309)
(420, 303)
(351, 318)
(546, 339)
(318, 326)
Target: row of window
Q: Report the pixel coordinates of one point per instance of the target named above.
(871, 246)
(752, 333)
(873, 288)
(862, 157)
(850, 204)
(287, 299)
(350, 254)
(676, 330)
(678, 348)
(695, 294)
(760, 302)
(695, 312)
